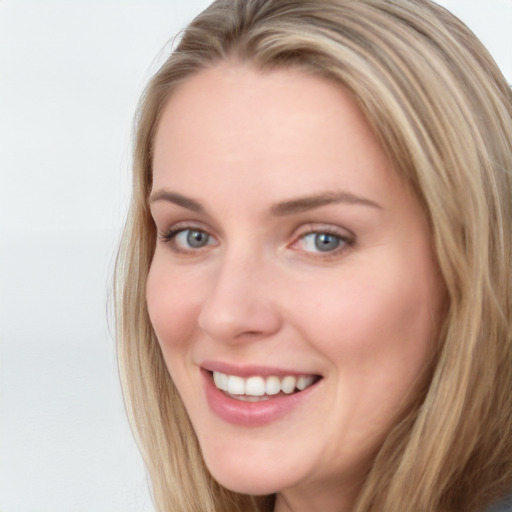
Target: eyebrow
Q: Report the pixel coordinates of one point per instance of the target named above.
(178, 199)
(303, 204)
(289, 207)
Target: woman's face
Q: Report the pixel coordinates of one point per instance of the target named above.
(290, 256)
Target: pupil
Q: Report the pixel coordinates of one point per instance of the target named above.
(325, 242)
(197, 239)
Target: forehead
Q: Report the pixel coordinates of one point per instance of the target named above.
(234, 124)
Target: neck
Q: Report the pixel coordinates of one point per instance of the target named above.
(305, 500)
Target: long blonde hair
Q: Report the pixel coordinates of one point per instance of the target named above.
(443, 112)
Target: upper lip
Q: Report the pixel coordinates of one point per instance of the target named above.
(250, 370)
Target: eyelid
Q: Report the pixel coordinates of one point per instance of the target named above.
(180, 226)
(323, 227)
(347, 237)
(169, 237)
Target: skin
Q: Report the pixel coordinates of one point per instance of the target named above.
(363, 316)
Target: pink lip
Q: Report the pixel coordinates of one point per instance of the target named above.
(251, 414)
(248, 370)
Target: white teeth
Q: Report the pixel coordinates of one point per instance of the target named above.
(236, 385)
(304, 382)
(272, 386)
(221, 380)
(288, 384)
(255, 386)
(258, 386)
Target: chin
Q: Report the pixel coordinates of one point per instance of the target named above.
(244, 477)
(247, 483)
(245, 486)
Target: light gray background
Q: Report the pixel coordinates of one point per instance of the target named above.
(70, 76)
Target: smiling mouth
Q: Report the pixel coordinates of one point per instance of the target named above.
(258, 388)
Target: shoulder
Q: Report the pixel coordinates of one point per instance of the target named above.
(503, 506)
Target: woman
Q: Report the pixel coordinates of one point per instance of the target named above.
(314, 281)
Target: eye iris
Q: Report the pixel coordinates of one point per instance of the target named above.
(197, 239)
(325, 242)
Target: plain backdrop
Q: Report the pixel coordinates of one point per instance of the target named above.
(70, 76)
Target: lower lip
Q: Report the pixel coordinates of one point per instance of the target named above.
(251, 414)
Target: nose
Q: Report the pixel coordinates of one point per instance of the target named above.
(239, 305)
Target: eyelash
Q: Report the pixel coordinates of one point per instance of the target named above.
(170, 238)
(345, 241)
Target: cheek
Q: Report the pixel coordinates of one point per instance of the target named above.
(372, 321)
(173, 304)
(377, 332)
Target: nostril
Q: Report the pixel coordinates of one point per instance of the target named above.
(235, 321)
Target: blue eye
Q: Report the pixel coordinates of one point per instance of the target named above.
(322, 242)
(183, 240)
(192, 239)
